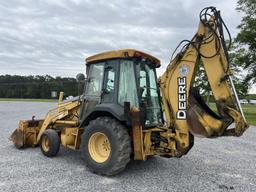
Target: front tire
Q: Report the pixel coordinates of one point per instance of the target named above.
(106, 146)
(50, 143)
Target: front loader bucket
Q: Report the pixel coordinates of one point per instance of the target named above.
(26, 133)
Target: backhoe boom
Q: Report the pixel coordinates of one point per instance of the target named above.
(185, 110)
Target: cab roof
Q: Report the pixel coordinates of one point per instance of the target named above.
(124, 53)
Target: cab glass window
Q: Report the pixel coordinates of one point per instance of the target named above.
(127, 85)
(109, 82)
(94, 83)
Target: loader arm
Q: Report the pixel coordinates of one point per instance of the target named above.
(185, 111)
(29, 132)
(58, 115)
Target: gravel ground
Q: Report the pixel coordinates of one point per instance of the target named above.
(225, 164)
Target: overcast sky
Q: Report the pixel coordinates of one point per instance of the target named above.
(55, 36)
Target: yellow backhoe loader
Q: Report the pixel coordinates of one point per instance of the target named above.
(125, 112)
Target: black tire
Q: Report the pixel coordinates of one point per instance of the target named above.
(53, 143)
(120, 146)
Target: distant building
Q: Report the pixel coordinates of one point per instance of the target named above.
(243, 101)
(54, 94)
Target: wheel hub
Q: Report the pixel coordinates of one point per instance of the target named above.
(99, 147)
(45, 144)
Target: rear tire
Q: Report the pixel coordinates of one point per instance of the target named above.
(106, 146)
(50, 143)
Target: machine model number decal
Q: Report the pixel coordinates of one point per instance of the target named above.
(182, 99)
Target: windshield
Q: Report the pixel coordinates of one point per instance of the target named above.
(149, 94)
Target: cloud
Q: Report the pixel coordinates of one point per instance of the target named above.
(54, 37)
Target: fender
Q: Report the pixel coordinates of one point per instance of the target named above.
(104, 109)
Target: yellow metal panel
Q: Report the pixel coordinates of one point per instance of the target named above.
(124, 53)
(63, 110)
(169, 88)
(215, 69)
(137, 135)
(68, 136)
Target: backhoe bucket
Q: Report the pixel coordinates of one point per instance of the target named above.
(206, 123)
(26, 133)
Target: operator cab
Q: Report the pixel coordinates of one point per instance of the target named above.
(117, 77)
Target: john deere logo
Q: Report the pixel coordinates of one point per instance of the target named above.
(182, 99)
(184, 70)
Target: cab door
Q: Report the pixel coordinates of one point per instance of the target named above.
(93, 88)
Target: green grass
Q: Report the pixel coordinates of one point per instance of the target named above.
(28, 100)
(249, 112)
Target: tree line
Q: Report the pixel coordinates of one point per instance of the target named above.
(38, 87)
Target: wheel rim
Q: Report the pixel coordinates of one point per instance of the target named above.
(45, 144)
(99, 147)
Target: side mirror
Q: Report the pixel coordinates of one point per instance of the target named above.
(80, 77)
